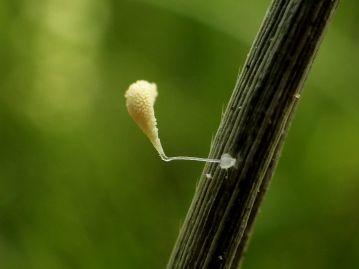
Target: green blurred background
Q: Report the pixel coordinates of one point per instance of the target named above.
(81, 186)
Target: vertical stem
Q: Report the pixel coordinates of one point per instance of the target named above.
(218, 224)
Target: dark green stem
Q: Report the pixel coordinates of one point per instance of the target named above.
(218, 224)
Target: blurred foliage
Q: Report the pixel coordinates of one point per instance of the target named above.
(80, 185)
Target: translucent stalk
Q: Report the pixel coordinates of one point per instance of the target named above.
(187, 158)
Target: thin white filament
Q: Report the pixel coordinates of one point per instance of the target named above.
(187, 158)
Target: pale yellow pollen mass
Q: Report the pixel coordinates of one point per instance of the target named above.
(140, 100)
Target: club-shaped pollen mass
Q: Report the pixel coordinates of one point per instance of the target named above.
(140, 100)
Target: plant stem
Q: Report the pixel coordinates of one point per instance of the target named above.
(216, 230)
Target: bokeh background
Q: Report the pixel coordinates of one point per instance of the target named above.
(81, 186)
